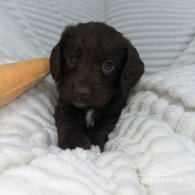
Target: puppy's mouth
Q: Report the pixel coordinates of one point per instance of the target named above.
(95, 102)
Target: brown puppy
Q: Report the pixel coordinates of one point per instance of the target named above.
(94, 67)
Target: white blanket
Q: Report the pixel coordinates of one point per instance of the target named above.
(151, 150)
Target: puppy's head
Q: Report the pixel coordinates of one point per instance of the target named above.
(92, 63)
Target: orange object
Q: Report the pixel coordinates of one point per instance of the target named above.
(16, 78)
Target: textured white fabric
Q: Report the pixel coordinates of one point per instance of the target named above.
(161, 30)
(151, 149)
(14, 42)
(47, 19)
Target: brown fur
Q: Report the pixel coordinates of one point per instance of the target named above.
(88, 86)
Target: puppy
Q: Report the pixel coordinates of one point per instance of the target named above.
(94, 67)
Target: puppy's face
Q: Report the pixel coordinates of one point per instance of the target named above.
(91, 64)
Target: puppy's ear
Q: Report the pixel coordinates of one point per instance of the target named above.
(132, 71)
(55, 63)
(55, 57)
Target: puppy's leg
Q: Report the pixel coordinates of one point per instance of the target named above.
(99, 135)
(70, 134)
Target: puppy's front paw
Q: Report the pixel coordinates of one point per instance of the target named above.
(75, 140)
(99, 141)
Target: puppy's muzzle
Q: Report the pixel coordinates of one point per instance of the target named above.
(82, 91)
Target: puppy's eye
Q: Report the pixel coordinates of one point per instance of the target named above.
(71, 61)
(107, 65)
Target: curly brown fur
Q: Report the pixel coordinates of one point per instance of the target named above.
(94, 67)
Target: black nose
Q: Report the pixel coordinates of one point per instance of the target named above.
(82, 91)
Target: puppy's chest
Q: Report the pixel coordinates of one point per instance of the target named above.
(87, 118)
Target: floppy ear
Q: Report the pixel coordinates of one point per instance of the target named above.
(55, 57)
(55, 63)
(132, 71)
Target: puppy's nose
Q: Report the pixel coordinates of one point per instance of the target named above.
(83, 91)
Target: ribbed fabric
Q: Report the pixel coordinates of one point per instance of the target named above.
(48, 19)
(187, 56)
(161, 30)
(151, 149)
(15, 44)
(157, 131)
